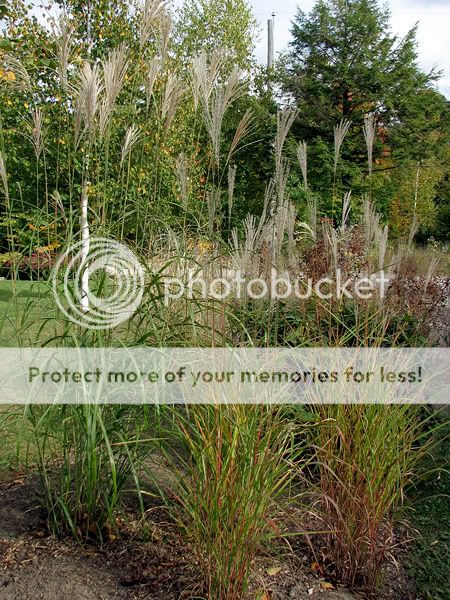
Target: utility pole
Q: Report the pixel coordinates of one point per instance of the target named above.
(270, 45)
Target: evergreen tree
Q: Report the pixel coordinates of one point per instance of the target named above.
(344, 63)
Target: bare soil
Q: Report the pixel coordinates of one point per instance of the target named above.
(151, 562)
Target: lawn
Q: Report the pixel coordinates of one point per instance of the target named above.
(28, 313)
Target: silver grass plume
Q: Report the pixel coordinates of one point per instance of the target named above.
(285, 120)
(37, 135)
(164, 32)
(183, 179)
(4, 178)
(221, 98)
(431, 271)
(198, 72)
(346, 209)
(132, 137)
(87, 91)
(281, 180)
(22, 77)
(283, 224)
(231, 185)
(85, 245)
(371, 222)
(63, 32)
(291, 218)
(340, 133)
(58, 203)
(151, 77)
(114, 70)
(173, 93)
(332, 241)
(151, 11)
(242, 253)
(302, 157)
(204, 74)
(312, 215)
(304, 230)
(246, 125)
(369, 136)
(268, 196)
(381, 238)
(374, 233)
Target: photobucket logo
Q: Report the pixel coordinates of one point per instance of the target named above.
(99, 289)
(280, 287)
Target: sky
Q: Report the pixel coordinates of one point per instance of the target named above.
(433, 34)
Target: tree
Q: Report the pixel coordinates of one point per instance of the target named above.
(99, 25)
(205, 25)
(345, 63)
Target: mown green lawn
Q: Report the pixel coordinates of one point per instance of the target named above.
(28, 312)
(30, 316)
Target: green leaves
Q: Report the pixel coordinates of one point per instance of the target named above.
(345, 63)
(3, 9)
(5, 43)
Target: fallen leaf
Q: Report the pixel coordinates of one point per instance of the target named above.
(326, 586)
(315, 566)
(38, 533)
(273, 571)
(271, 523)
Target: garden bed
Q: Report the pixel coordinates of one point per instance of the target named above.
(145, 562)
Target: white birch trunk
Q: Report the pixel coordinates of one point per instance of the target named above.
(416, 190)
(85, 240)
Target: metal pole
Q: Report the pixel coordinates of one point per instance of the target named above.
(270, 47)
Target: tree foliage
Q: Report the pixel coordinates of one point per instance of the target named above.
(345, 63)
(205, 25)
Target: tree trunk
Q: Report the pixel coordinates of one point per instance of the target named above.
(85, 240)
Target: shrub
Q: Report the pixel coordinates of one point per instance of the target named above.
(86, 455)
(235, 464)
(367, 455)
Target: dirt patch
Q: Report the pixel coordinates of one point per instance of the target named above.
(146, 563)
(298, 577)
(20, 508)
(51, 569)
(59, 578)
(35, 565)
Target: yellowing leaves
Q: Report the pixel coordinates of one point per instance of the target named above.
(273, 571)
(325, 585)
(50, 248)
(7, 75)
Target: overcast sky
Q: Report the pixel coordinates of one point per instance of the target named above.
(433, 34)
